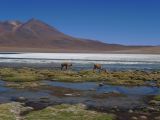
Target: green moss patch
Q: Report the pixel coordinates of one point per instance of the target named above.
(115, 78)
(6, 112)
(68, 112)
(14, 110)
(157, 98)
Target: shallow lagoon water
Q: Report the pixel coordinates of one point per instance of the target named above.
(134, 90)
(45, 95)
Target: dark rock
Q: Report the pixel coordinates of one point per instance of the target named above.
(101, 84)
(130, 111)
(20, 99)
(154, 102)
(68, 94)
(26, 110)
(157, 118)
(134, 118)
(143, 117)
(152, 109)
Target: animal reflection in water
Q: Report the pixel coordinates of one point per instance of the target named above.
(65, 65)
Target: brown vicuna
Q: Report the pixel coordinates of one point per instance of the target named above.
(66, 65)
(98, 67)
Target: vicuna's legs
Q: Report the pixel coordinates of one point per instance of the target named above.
(97, 67)
(100, 70)
(93, 69)
(62, 66)
(65, 65)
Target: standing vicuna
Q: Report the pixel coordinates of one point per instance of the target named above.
(98, 67)
(66, 65)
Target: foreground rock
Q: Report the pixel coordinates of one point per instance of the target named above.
(13, 111)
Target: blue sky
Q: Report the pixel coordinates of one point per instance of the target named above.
(131, 22)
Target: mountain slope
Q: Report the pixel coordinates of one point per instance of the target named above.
(37, 36)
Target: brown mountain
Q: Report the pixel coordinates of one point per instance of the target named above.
(37, 36)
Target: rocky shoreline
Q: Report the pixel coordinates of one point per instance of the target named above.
(24, 111)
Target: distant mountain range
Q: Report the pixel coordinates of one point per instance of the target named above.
(37, 36)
